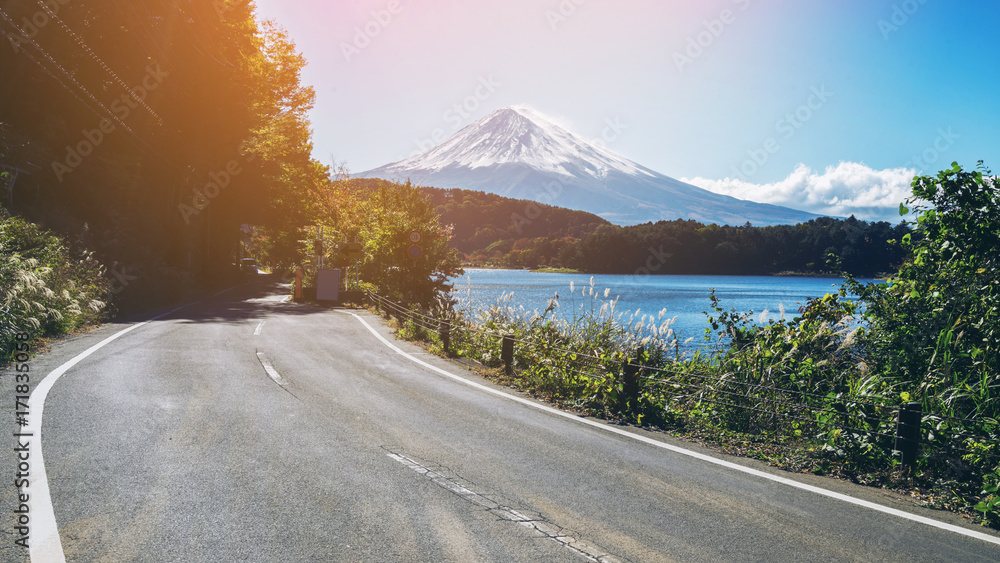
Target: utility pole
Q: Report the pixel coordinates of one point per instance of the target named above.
(320, 249)
(208, 239)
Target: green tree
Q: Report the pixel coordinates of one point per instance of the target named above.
(221, 137)
(384, 221)
(935, 327)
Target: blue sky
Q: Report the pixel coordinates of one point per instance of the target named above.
(825, 105)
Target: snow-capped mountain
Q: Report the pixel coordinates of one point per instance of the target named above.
(515, 152)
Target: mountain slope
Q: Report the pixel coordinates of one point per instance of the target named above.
(517, 153)
(478, 220)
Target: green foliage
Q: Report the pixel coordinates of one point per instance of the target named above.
(412, 329)
(47, 290)
(930, 334)
(227, 119)
(581, 361)
(383, 219)
(515, 233)
(491, 230)
(803, 378)
(281, 248)
(935, 327)
(990, 505)
(810, 353)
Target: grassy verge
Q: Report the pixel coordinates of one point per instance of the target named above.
(48, 290)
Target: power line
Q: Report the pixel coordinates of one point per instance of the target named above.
(98, 114)
(56, 78)
(68, 75)
(97, 59)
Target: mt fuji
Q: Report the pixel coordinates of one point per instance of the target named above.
(515, 152)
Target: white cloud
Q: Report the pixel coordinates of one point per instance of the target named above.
(849, 188)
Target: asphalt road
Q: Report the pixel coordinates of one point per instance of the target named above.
(246, 428)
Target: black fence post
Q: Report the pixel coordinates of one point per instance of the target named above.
(507, 354)
(444, 331)
(908, 433)
(630, 381)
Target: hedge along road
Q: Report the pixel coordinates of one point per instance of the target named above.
(247, 428)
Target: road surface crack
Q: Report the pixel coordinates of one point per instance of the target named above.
(502, 508)
(274, 375)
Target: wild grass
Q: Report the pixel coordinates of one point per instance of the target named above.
(46, 289)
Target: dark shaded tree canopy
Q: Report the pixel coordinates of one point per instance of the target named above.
(155, 128)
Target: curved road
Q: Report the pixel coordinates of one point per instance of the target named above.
(247, 428)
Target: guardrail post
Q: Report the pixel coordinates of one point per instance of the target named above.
(507, 354)
(908, 433)
(444, 331)
(630, 381)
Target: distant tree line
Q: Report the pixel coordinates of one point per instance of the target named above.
(688, 247)
(492, 230)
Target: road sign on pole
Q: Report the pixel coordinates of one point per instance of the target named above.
(414, 252)
(415, 237)
(353, 251)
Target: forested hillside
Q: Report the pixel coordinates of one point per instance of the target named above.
(498, 231)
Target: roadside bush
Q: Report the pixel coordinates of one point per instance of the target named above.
(46, 290)
(935, 327)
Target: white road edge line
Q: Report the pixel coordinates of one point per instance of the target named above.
(777, 479)
(44, 545)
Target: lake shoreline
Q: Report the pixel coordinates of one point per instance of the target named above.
(550, 270)
(546, 270)
(686, 297)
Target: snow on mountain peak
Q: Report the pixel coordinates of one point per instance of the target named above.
(522, 136)
(517, 152)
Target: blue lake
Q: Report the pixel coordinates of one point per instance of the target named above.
(685, 297)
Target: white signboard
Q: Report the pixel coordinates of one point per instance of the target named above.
(328, 285)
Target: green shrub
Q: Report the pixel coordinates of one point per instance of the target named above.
(935, 327)
(46, 289)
